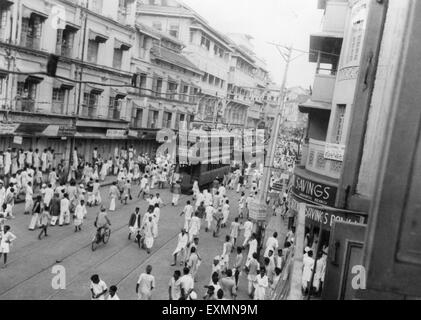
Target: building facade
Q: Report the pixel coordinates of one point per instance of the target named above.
(337, 52)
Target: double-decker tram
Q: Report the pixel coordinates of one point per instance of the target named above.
(206, 157)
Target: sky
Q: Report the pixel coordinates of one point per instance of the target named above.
(287, 22)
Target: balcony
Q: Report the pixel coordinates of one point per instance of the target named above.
(323, 87)
(25, 105)
(89, 112)
(57, 107)
(114, 113)
(315, 160)
(335, 16)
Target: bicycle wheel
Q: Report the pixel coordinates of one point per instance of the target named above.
(106, 236)
(94, 243)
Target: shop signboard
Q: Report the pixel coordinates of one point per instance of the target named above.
(8, 128)
(334, 152)
(133, 134)
(112, 133)
(17, 140)
(314, 191)
(66, 131)
(327, 217)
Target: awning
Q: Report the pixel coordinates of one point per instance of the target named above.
(94, 90)
(310, 104)
(95, 36)
(328, 43)
(95, 135)
(121, 45)
(66, 85)
(25, 78)
(118, 94)
(6, 3)
(72, 26)
(28, 12)
(148, 31)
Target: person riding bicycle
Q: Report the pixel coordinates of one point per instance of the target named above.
(102, 222)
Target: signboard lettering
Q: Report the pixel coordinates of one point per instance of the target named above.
(112, 133)
(314, 191)
(8, 128)
(328, 217)
(334, 152)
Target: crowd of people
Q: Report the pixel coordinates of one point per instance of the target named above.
(55, 196)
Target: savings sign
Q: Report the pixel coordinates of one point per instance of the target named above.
(314, 191)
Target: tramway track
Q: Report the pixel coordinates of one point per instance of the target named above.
(118, 229)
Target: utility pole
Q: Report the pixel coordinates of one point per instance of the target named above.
(82, 60)
(259, 205)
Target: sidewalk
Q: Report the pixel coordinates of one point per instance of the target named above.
(107, 182)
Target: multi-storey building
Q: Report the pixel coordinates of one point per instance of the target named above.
(234, 79)
(91, 38)
(208, 49)
(337, 52)
(168, 84)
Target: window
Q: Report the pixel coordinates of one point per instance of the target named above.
(356, 42)
(174, 29)
(205, 77)
(90, 104)
(93, 47)
(172, 90)
(114, 108)
(152, 119)
(118, 58)
(191, 36)
(59, 95)
(205, 43)
(143, 45)
(26, 91)
(157, 25)
(217, 81)
(157, 87)
(96, 6)
(340, 120)
(31, 31)
(211, 79)
(65, 41)
(137, 120)
(3, 20)
(166, 120)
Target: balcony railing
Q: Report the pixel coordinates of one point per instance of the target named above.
(57, 107)
(136, 123)
(89, 112)
(26, 105)
(32, 42)
(166, 123)
(317, 163)
(324, 86)
(114, 113)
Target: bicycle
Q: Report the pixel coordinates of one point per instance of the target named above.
(98, 238)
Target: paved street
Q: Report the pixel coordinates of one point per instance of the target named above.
(120, 262)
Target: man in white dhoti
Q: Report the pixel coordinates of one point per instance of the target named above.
(260, 285)
(308, 264)
(188, 212)
(114, 193)
(248, 228)
(80, 213)
(149, 229)
(29, 194)
(64, 210)
(183, 239)
(194, 229)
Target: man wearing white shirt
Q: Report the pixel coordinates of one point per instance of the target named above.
(252, 248)
(186, 284)
(98, 288)
(145, 284)
(272, 244)
(188, 212)
(248, 228)
(113, 294)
